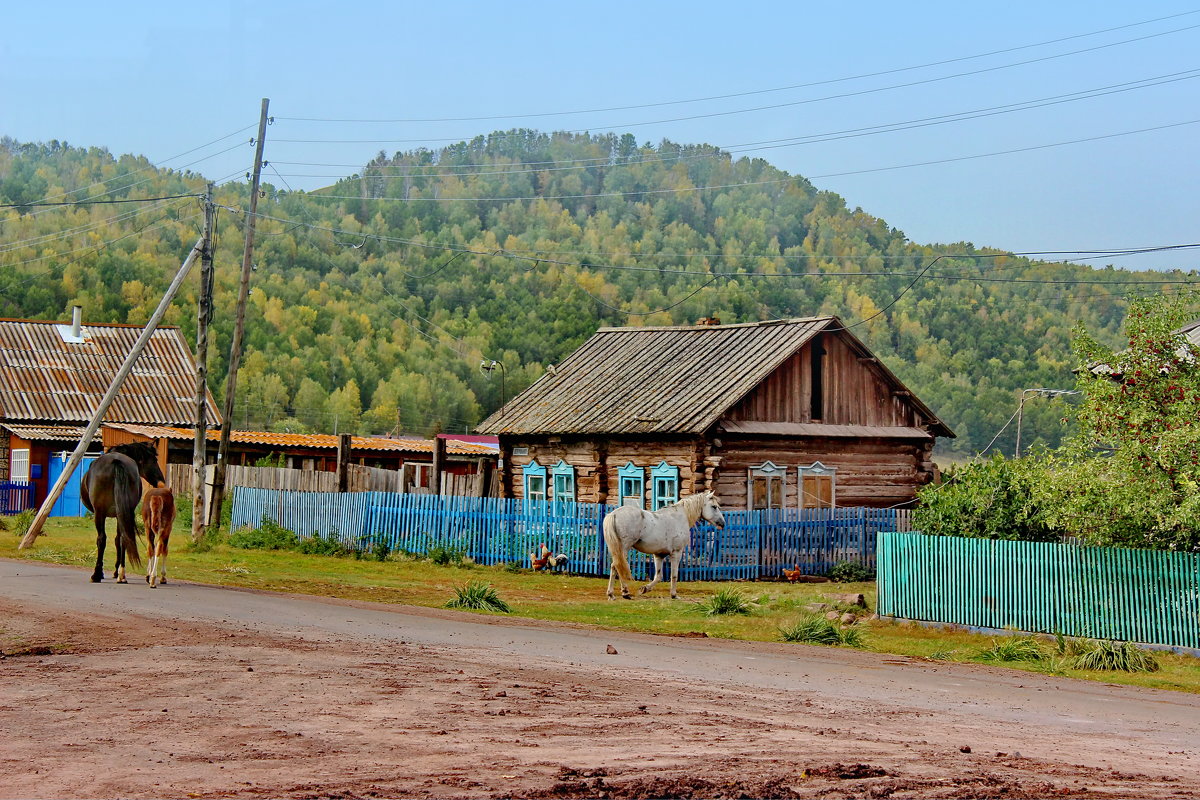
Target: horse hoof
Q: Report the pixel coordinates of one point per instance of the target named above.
(97, 578)
(122, 580)
(627, 596)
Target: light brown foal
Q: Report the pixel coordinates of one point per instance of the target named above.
(158, 514)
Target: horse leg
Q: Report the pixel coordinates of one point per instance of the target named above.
(656, 578)
(161, 556)
(151, 557)
(119, 568)
(675, 557)
(101, 539)
(612, 576)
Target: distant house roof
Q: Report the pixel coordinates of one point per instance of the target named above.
(312, 440)
(45, 376)
(664, 379)
(49, 433)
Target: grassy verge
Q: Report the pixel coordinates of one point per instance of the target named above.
(775, 606)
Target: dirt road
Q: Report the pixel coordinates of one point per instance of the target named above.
(197, 691)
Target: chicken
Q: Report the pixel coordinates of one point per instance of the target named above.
(558, 562)
(542, 560)
(793, 574)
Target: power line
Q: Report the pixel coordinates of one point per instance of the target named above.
(781, 88)
(99, 202)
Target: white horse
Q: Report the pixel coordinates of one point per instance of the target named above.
(655, 533)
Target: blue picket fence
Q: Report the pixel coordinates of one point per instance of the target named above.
(15, 497)
(753, 544)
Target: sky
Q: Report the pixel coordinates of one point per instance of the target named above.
(1106, 157)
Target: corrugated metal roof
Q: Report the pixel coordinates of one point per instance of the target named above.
(653, 380)
(662, 379)
(821, 429)
(51, 433)
(312, 440)
(43, 377)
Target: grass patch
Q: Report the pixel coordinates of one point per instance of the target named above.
(269, 535)
(1110, 656)
(1014, 648)
(727, 600)
(478, 596)
(818, 630)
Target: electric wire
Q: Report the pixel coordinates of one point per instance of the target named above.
(796, 86)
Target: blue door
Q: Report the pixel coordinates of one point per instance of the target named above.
(69, 503)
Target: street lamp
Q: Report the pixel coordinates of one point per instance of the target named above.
(1021, 408)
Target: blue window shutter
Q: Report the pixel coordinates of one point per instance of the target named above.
(632, 485)
(535, 481)
(665, 485)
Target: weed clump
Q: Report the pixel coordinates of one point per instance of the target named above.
(478, 596)
(850, 572)
(1016, 648)
(818, 630)
(1113, 656)
(727, 601)
(269, 535)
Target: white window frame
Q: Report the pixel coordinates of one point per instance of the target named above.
(664, 475)
(19, 459)
(818, 469)
(534, 472)
(776, 476)
(631, 475)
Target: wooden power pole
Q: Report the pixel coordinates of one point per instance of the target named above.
(203, 317)
(239, 327)
(98, 415)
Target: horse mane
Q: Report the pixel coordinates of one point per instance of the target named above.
(146, 458)
(693, 506)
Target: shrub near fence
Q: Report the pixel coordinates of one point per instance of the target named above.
(1097, 592)
(753, 544)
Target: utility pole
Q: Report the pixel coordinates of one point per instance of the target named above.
(98, 415)
(203, 317)
(235, 349)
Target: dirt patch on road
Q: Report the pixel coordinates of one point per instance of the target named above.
(98, 706)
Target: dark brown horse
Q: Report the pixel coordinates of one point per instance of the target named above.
(112, 488)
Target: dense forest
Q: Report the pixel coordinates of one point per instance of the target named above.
(375, 299)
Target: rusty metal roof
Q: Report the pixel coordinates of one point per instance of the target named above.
(676, 380)
(49, 433)
(313, 440)
(45, 378)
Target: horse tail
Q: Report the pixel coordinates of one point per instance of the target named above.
(126, 493)
(613, 540)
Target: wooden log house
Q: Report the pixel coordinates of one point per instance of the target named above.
(794, 413)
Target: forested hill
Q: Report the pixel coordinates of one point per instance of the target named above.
(375, 299)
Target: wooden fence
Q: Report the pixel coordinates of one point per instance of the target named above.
(358, 479)
(1097, 592)
(753, 544)
(15, 497)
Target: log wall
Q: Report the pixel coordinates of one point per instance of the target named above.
(874, 473)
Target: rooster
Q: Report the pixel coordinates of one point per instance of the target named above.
(542, 560)
(793, 574)
(558, 562)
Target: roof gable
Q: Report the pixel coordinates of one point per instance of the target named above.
(44, 377)
(656, 380)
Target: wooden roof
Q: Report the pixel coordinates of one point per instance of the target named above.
(46, 378)
(677, 380)
(316, 441)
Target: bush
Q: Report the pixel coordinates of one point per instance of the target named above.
(22, 521)
(1114, 656)
(269, 535)
(818, 630)
(380, 551)
(478, 596)
(993, 499)
(329, 545)
(850, 572)
(727, 601)
(445, 554)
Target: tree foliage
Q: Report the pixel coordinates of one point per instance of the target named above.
(392, 284)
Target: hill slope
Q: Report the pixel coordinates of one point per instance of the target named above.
(375, 299)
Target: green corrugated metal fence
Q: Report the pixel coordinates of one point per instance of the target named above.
(1098, 592)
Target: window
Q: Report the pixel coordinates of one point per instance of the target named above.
(632, 488)
(817, 379)
(818, 486)
(564, 482)
(665, 485)
(20, 466)
(535, 482)
(766, 485)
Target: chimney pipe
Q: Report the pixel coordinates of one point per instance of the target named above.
(76, 321)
